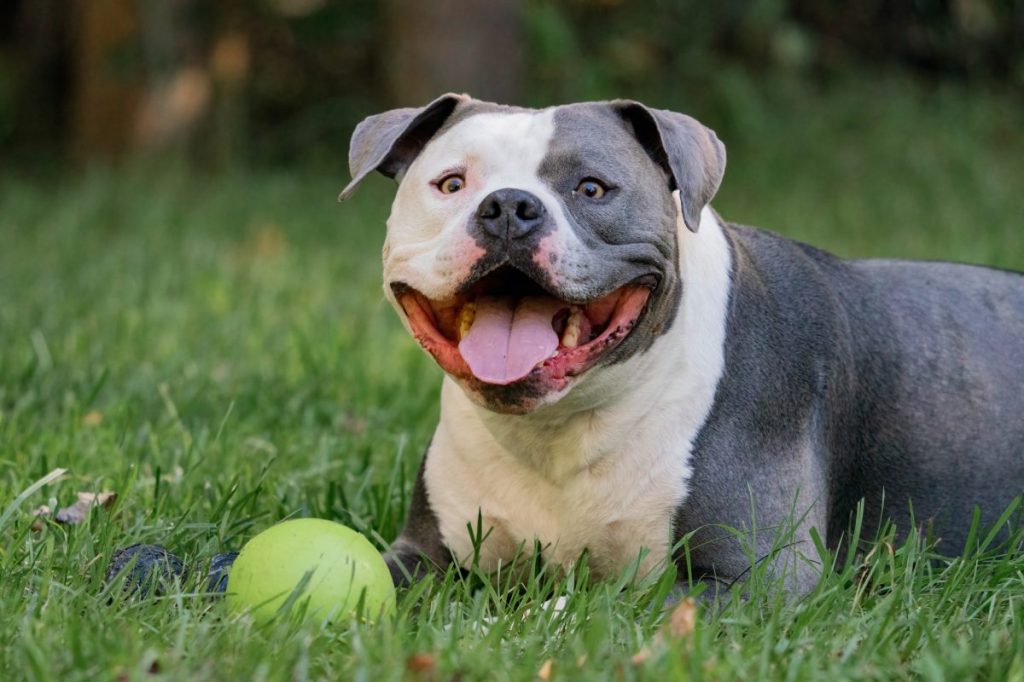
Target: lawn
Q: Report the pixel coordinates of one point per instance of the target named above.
(215, 348)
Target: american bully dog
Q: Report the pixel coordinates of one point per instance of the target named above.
(624, 368)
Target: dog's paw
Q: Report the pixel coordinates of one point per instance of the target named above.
(406, 567)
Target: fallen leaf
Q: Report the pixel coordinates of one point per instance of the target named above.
(420, 663)
(640, 657)
(545, 670)
(681, 623)
(683, 619)
(39, 513)
(92, 418)
(77, 512)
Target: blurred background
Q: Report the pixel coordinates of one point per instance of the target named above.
(271, 81)
(189, 318)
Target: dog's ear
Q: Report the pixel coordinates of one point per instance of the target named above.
(389, 142)
(690, 153)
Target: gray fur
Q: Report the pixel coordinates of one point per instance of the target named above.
(850, 380)
(418, 548)
(390, 141)
(624, 234)
(690, 152)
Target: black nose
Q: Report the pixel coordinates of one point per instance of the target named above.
(510, 213)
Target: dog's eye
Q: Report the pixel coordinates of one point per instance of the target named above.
(591, 188)
(450, 184)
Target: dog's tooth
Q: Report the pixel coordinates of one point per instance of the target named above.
(466, 317)
(571, 335)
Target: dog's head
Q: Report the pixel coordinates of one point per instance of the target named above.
(527, 247)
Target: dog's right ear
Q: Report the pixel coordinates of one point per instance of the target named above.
(389, 142)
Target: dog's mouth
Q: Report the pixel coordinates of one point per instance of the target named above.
(505, 328)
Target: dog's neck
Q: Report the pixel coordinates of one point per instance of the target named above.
(600, 416)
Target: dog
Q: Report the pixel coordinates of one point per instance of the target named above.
(625, 369)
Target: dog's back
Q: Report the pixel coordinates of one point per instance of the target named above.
(935, 419)
(894, 382)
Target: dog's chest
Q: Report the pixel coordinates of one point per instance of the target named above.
(610, 483)
(619, 509)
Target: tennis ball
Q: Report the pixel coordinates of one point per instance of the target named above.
(333, 566)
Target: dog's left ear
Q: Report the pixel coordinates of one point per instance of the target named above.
(390, 141)
(690, 153)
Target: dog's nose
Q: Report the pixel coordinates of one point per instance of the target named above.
(510, 213)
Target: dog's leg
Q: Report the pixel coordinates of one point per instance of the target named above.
(418, 550)
(726, 560)
(752, 514)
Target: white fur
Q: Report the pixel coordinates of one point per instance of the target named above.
(427, 246)
(605, 467)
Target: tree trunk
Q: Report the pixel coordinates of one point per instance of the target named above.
(471, 46)
(106, 77)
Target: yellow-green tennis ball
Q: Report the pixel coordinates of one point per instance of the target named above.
(343, 568)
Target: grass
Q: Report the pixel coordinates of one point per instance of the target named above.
(216, 349)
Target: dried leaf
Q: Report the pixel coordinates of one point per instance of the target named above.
(421, 663)
(681, 623)
(545, 670)
(92, 418)
(106, 499)
(640, 657)
(79, 511)
(683, 619)
(39, 513)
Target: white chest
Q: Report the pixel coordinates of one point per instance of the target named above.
(606, 480)
(616, 509)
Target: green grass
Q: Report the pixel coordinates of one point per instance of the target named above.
(231, 332)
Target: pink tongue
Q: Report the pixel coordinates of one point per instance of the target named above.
(507, 340)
